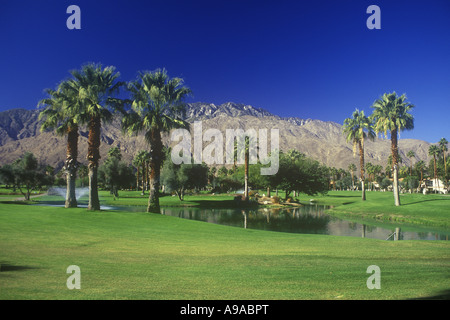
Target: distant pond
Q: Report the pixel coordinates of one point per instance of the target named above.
(309, 219)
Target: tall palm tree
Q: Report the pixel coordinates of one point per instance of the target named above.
(356, 129)
(157, 107)
(58, 114)
(434, 151)
(95, 88)
(420, 166)
(443, 145)
(411, 154)
(352, 169)
(140, 161)
(391, 114)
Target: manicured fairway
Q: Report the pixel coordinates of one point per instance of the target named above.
(124, 255)
(418, 209)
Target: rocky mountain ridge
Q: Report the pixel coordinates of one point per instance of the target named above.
(323, 141)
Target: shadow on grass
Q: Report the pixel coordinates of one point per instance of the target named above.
(344, 196)
(4, 267)
(442, 295)
(428, 200)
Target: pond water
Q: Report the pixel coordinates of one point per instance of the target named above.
(307, 219)
(310, 219)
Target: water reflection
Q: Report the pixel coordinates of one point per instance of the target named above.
(310, 219)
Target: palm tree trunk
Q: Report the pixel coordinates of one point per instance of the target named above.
(137, 178)
(394, 149)
(71, 166)
(361, 164)
(93, 158)
(155, 170)
(445, 165)
(246, 174)
(144, 178)
(94, 203)
(435, 175)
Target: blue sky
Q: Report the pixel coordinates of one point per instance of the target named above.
(308, 59)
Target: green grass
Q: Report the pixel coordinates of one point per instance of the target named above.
(417, 209)
(132, 255)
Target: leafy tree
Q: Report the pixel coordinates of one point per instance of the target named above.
(26, 174)
(114, 173)
(385, 183)
(156, 108)
(357, 129)
(391, 114)
(303, 175)
(182, 177)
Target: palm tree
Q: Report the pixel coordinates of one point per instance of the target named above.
(156, 108)
(420, 166)
(352, 169)
(94, 87)
(356, 129)
(140, 161)
(443, 145)
(391, 114)
(434, 151)
(410, 155)
(58, 115)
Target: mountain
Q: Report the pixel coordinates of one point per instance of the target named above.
(321, 140)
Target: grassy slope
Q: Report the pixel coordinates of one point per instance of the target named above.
(145, 256)
(415, 209)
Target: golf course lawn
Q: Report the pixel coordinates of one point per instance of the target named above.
(137, 255)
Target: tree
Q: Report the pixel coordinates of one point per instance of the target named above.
(182, 177)
(391, 114)
(157, 107)
(370, 169)
(140, 162)
(59, 115)
(357, 129)
(83, 171)
(443, 145)
(410, 155)
(95, 88)
(114, 173)
(26, 174)
(434, 151)
(303, 175)
(352, 169)
(420, 166)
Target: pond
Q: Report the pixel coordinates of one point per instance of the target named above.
(309, 219)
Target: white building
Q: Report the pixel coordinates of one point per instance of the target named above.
(434, 185)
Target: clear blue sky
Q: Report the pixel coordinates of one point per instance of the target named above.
(309, 59)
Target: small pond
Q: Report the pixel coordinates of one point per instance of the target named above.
(310, 219)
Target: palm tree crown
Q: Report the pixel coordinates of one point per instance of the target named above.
(391, 114)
